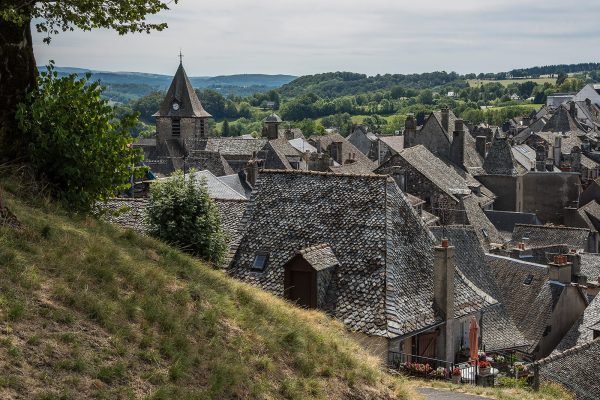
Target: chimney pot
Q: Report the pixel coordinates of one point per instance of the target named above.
(445, 242)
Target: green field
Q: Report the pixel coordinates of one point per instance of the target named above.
(506, 82)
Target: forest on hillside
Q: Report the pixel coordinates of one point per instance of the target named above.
(341, 99)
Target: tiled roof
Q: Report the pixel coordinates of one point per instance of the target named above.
(384, 281)
(590, 213)
(550, 235)
(182, 92)
(238, 183)
(500, 160)
(319, 257)
(347, 148)
(581, 332)
(274, 157)
(561, 121)
(272, 118)
(295, 133)
(576, 369)
(231, 212)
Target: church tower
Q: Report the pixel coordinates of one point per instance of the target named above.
(181, 116)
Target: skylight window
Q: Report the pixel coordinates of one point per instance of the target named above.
(528, 280)
(260, 261)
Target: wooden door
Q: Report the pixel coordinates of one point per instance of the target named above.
(301, 289)
(426, 345)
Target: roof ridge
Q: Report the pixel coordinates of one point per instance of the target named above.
(322, 173)
(319, 246)
(554, 227)
(572, 350)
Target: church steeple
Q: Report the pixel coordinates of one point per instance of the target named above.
(181, 100)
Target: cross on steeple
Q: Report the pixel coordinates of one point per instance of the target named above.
(180, 57)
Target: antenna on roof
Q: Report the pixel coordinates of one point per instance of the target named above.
(180, 57)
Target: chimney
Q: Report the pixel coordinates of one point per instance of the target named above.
(556, 150)
(540, 158)
(457, 147)
(410, 130)
(252, 169)
(588, 103)
(335, 149)
(480, 142)
(573, 109)
(560, 269)
(526, 120)
(443, 276)
(575, 259)
(445, 117)
(289, 134)
(518, 251)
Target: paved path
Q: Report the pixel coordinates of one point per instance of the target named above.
(440, 394)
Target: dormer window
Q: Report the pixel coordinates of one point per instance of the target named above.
(260, 261)
(528, 280)
(175, 127)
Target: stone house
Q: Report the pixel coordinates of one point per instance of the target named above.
(365, 141)
(354, 247)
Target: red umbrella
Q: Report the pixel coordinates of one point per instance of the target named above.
(473, 339)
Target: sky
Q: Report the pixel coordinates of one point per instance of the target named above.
(300, 37)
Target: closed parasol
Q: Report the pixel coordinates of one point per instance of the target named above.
(473, 339)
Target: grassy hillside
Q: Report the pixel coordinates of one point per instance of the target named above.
(91, 311)
(506, 82)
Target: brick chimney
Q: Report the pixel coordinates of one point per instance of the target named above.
(445, 118)
(560, 269)
(410, 130)
(443, 297)
(480, 142)
(457, 147)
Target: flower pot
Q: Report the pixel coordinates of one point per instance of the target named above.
(456, 379)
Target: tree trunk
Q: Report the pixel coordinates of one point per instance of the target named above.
(17, 76)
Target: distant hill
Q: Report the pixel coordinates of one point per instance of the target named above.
(126, 86)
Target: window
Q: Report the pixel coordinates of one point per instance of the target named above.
(260, 261)
(175, 127)
(485, 233)
(547, 330)
(528, 280)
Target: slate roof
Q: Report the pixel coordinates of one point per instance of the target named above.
(525, 156)
(359, 216)
(581, 331)
(505, 221)
(217, 189)
(125, 212)
(550, 235)
(209, 160)
(384, 281)
(472, 160)
(396, 142)
(232, 146)
(590, 213)
(434, 169)
(272, 118)
(182, 92)
(319, 257)
(231, 212)
(500, 160)
(590, 265)
(576, 369)
(347, 148)
(302, 145)
(486, 231)
(238, 183)
(561, 121)
(540, 296)
(274, 157)
(295, 133)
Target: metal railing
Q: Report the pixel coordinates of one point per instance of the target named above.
(431, 368)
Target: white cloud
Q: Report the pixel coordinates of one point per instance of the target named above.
(373, 36)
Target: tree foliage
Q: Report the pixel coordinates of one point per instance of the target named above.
(181, 213)
(52, 17)
(76, 143)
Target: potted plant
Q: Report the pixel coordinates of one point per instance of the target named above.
(456, 376)
(484, 367)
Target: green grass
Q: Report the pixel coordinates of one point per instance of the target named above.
(88, 310)
(523, 105)
(506, 82)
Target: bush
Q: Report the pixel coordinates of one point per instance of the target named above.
(180, 212)
(76, 145)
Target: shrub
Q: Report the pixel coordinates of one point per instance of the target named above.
(180, 212)
(76, 145)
